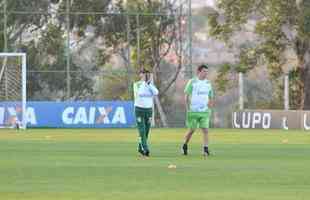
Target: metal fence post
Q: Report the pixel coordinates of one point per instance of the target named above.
(286, 93)
(68, 50)
(138, 41)
(241, 102)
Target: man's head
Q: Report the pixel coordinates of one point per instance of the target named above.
(202, 72)
(144, 74)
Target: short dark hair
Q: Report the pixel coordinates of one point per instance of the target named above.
(144, 71)
(203, 66)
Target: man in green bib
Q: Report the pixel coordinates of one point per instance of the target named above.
(198, 97)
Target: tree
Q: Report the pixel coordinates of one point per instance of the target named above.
(48, 56)
(116, 27)
(18, 21)
(45, 46)
(280, 25)
(144, 27)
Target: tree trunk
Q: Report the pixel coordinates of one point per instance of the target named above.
(161, 112)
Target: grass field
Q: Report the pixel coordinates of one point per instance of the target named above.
(66, 164)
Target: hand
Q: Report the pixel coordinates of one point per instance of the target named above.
(147, 77)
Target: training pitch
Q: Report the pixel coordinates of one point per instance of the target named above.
(103, 164)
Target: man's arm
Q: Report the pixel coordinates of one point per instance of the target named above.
(150, 84)
(187, 102)
(153, 89)
(211, 98)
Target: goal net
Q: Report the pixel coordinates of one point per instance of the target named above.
(12, 90)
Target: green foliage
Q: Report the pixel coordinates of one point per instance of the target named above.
(17, 23)
(114, 85)
(296, 87)
(155, 32)
(82, 21)
(304, 19)
(275, 20)
(217, 30)
(53, 41)
(22, 5)
(46, 54)
(18, 20)
(222, 79)
(236, 14)
(269, 27)
(249, 57)
(49, 53)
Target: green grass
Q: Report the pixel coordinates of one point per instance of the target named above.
(65, 164)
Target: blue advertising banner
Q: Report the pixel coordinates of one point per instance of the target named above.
(84, 114)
